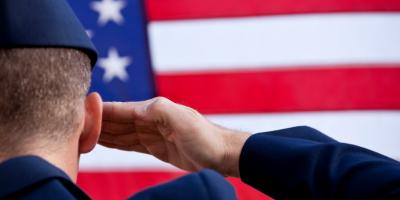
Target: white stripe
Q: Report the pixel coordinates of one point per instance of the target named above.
(108, 159)
(294, 40)
(379, 131)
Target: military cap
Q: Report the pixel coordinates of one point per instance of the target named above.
(42, 24)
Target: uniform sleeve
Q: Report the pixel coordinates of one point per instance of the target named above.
(302, 163)
(203, 185)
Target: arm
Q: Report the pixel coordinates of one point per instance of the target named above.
(298, 162)
(289, 167)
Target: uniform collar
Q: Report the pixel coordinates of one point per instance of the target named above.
(21, 172)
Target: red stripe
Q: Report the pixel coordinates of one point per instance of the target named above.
(377, 87)
(121, 185)
(188, 9)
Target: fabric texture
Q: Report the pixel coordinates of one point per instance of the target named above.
(42, 24)
(204, 185)
(31, 178)
(302, 163)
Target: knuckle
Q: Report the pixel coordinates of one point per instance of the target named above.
(159, 104)
(160, 99)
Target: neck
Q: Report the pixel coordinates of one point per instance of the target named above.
(66, 161)
(63, 157)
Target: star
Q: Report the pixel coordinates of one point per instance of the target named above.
(114, 66)
(109, 10)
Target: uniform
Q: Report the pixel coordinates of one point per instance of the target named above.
(32, 178)
(52, 23)
(302, 163)
(294, 163)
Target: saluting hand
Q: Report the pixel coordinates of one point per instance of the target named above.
(173, 133)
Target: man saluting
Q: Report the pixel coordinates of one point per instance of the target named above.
(46, 119)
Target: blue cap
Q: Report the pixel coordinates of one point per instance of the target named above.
(42, 23)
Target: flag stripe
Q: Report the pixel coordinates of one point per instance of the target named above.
(379, 132)
(105, 159)
(266, 90)
(158, 10)
(375, 130)
(286, 41)
(121, 185)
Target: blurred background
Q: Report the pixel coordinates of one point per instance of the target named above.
(253, 65)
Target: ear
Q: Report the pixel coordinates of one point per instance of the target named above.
(92, 125)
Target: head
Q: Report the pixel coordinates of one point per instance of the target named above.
(43, 102)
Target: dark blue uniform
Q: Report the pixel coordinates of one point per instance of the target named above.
(302, 163)
(205, 185)
(31, 177)
(295, 163)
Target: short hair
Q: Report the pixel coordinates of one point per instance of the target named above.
(42, 94)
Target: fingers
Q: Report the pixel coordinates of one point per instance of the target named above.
(118, 128)
(122, 139)
(128, 111)
(127, 142)
(132, 126)
(130, 141)
(134, 147)
(123, 112)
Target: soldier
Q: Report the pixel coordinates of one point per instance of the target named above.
(46, 119)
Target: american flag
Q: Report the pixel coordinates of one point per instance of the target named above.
(253, 65)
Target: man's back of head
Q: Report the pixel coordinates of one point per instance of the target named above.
(43, 93)
(45, 110)
(46, 59)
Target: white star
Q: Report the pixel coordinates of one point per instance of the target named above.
(109, 10)
(114, 66)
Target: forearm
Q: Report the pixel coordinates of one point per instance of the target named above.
(234, 142)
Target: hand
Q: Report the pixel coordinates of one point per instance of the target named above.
(173, 133)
